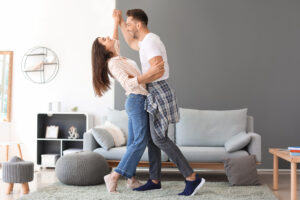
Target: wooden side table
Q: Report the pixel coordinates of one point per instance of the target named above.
(7, 144)
(285, 155)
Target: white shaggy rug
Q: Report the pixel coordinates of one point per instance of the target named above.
(210, 191)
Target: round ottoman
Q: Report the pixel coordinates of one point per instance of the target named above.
(82, 168)
(17, 171)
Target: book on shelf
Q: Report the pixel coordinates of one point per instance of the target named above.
(295, 151)
(293, 148)
(294, 154)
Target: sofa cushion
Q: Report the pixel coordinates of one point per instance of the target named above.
(117, 153)
(209, 154)
(241, 171)
(120, 119)
(237, 142)
(103, 138)
(209, 128)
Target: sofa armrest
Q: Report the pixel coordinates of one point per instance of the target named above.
(254, 147)
(89, 142)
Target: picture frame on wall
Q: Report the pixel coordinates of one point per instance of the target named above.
(51, 132)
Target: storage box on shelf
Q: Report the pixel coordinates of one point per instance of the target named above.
(49, 160)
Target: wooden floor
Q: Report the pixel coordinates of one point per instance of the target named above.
(47, 176)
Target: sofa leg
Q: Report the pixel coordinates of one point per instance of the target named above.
(10, 187)
(25, 188)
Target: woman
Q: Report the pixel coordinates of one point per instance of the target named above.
(107, 61)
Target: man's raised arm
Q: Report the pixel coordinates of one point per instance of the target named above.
(132, 42)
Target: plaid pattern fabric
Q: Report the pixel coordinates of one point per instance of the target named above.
(161, 104)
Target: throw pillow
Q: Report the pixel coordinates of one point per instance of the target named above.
(103, 138)
(241, 171)
(117, 134)
(237, 142)
(118, 118)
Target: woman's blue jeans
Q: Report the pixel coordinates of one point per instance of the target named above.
(138, 130)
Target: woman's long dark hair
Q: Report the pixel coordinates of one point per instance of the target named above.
(100, 57)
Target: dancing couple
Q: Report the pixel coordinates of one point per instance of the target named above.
(151, 104)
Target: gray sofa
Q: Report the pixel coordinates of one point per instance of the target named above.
(200, 134)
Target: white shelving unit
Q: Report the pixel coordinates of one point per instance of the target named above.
(64, 120)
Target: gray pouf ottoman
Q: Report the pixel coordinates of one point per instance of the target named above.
(82, 168)
(17, 171)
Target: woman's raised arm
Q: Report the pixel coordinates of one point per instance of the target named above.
(117, 19)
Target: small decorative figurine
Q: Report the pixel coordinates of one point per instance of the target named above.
(73, 133)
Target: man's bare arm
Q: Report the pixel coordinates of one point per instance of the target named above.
(132, 43)
(155, 72)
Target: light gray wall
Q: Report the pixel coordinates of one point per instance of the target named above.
(232, 54)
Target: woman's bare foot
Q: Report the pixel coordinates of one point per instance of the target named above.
(133, 183)
(111, 184)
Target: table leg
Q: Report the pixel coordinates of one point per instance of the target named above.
(275, 172)
(7, 149)
(293, 181)
(20, 152)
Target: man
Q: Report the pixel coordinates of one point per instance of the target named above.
(160, 104)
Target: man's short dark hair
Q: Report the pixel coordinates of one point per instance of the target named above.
(139, 15)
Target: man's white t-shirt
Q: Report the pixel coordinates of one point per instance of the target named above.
(151, 46)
